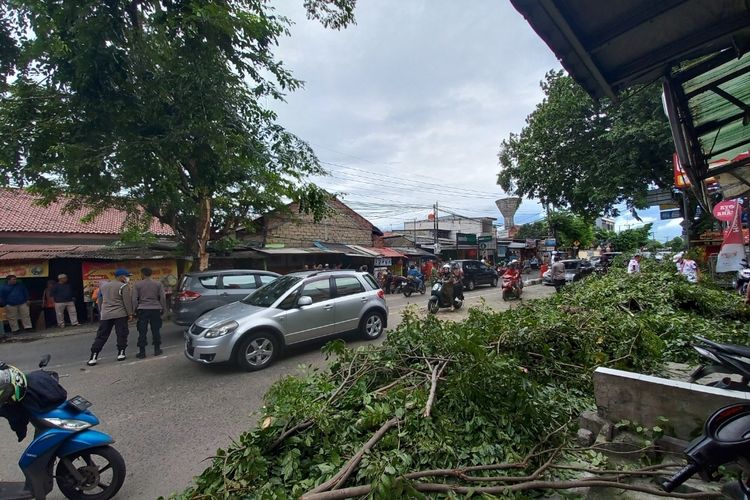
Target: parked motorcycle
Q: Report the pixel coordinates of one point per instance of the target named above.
(437, 301)
(725, 439)
(723, 358)
(87, 466)
(742, 278)
(512, 287)
(411, 287)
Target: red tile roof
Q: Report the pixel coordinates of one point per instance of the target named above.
(20, 213)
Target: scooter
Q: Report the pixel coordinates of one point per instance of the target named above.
(411, 287)
(437, 300)
(512, 288)
(742, 278)
(87, 466)
(725, 439)
(723, 358)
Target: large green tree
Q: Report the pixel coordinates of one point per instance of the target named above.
(586, 155)
(155, 106)
(629, 240)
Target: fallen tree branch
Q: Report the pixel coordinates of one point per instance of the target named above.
(343, 474)
(297, 428)
(529, 485)
(437, 370)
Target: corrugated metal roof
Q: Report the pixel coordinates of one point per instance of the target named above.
(98, 252)
(410, 251)
(294, 251)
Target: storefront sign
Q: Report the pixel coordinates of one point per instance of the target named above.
(724, 211)
(25, 269)
(551, 242)
(163, 270)
(383, 262)
(530, 243)
(675, 213)
(466, 239)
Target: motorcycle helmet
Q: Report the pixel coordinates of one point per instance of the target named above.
(12, 384)
(446, 267)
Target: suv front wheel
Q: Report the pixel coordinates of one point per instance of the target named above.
(372, 325)
(257, 350)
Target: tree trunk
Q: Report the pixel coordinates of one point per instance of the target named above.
(203, 231)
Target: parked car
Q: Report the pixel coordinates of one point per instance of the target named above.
(575, 269)
(476, 273)
(201, 292)
(295, 308)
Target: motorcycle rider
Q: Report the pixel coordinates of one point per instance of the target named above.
(458, 281)
(416, 275)
(513, 274)
(447, 291)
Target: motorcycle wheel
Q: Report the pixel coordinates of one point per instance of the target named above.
(407, 293)
(103, 471)
(432, 306)
(506, 295)
(458, 305)
(743, 289)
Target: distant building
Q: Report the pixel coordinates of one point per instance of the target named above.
(606, 223)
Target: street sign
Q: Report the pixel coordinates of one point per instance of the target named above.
(483, 245)
(658, 197)
(724, 210)
(466, 239)
(436, 248)
(485, 238)
(550, 242)
(670, 214)
(576, 243)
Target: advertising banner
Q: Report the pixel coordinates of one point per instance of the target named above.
(732, 249)
(466, 239)
(163, 270)
(25, 269)
(724, 210)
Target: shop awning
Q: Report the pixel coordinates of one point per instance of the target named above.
(515, 244)
(381, 251)
(348, 250)
(37, 252)
(295, 251)
(697, 47)
(413, 252)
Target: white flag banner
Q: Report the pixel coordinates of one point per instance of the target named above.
(733, 248)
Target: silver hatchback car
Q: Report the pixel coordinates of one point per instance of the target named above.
(295, 308)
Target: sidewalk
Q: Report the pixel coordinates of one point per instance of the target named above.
(23, 336)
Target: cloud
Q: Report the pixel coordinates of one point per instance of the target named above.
(418, 95)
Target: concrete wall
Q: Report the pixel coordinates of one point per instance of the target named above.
(622, 395)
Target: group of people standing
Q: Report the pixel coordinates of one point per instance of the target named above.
(119, 303)
(57, 299)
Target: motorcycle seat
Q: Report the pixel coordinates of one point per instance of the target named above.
(727, 348)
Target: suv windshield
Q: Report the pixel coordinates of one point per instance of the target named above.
(571, 265)
(270, 293)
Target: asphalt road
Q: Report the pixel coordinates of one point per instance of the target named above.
(168, 414)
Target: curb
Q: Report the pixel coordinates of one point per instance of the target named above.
(30, 337)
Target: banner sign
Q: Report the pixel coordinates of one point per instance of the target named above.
(383, 262)
(466, 239)
(733, 248)
(724, 211)
(670, 214)
(163, 270)
(25, 269)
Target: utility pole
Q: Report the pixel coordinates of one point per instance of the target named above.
(436, 227)
(415, 233)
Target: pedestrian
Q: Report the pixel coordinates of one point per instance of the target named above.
(62, 293)
(634, 266)
(116, 309)
(88, 301)
(149, 303)
(48, 305)
(686, 267)
(557, 273)
(15, 298)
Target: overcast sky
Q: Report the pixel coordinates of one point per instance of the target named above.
(408, 106)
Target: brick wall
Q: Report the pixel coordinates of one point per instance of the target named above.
(294, 229)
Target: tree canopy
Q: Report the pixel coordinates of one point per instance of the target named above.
(586, 155)
(628, 240)
(155, 106)
(568, 228)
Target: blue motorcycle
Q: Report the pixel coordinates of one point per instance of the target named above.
(87, 467)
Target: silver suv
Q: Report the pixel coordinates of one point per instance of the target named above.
(294, 308)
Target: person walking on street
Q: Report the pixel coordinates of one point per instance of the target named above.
(634, 266)
(557, 273)
(62, 293)
(149, 301)
(116, 309)
(48, 305)
(15, 298)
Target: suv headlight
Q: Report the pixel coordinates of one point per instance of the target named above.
(221, 329)
(68, 424)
